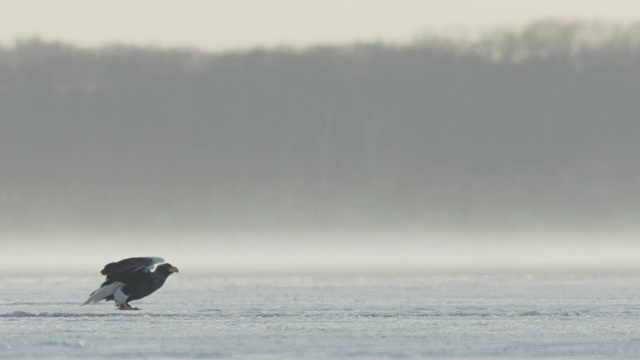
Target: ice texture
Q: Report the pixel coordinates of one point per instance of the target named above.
(320, 317)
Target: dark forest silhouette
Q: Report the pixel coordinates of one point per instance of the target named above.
(535, 128)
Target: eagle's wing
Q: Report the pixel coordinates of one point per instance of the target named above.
(130, 265)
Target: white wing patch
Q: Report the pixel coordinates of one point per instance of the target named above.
(154, 261)
(114, 289)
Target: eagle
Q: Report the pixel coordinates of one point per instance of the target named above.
(131, 279)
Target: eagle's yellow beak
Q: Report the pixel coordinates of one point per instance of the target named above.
(174, 269)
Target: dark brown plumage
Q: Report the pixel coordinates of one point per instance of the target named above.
(131, 279)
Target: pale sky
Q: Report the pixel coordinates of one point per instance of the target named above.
(236, 24)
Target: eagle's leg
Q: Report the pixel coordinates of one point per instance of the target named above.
(126, 306)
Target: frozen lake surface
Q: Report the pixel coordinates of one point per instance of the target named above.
(319, 317)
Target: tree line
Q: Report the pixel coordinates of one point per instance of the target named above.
(517, 128)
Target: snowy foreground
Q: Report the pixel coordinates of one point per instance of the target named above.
(318, 317)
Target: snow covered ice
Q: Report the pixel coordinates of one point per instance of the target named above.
(337, 316)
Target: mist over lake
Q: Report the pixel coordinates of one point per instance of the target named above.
(449, 198)
(516, 130)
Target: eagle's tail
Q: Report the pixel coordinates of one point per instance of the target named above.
(104, 292)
